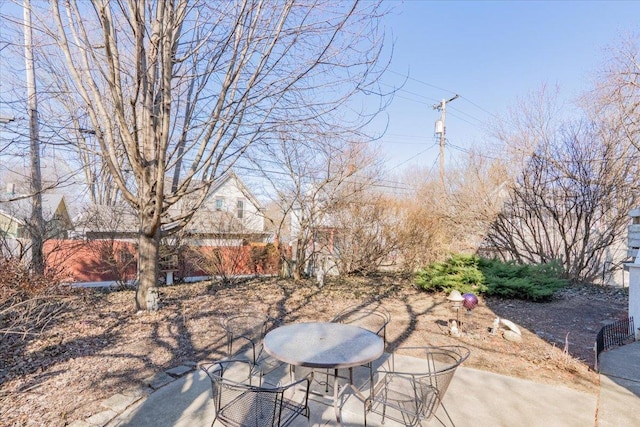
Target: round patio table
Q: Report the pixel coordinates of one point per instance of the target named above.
(325, 345)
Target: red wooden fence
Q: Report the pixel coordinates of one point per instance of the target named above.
(114, 260)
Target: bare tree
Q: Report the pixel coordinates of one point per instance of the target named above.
(75, 140)
(28, 128)
(477, 189)
(312, 178)
(579, 178)
(432, 224)
(66, 134)
(616, 96)
(366, 232)
(185, 89)
(570, 203)
(425, 232)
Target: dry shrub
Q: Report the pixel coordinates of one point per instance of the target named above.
(225, 262)
(28, 302)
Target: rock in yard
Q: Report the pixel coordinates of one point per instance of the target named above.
(512, 336)
(511, 326)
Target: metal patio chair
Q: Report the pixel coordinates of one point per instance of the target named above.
(249, 329)
(374, 319)
(240, 400)
(413, 383)
(245, 329)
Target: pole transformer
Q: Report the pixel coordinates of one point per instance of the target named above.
(441, 130)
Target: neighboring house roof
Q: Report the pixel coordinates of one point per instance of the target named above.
(15, 214)
(122, 220)
(20, 209)
(228, 176)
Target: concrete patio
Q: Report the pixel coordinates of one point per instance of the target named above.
(475, 398)
(619, 397)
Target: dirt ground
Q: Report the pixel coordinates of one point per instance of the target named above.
(101, 346)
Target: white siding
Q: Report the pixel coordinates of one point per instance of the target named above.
(231, 192)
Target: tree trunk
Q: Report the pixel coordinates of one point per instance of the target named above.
(299, 261)
(148, 250)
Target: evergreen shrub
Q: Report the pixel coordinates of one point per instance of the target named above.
(470, 273)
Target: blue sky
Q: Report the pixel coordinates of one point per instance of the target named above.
(491, 54)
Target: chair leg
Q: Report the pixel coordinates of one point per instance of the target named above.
(447, 414)
(253, 352)
(384, 406)
(384, 412)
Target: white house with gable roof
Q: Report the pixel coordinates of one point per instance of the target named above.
(229, 212)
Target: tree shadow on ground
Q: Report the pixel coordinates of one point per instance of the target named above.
(107, 348)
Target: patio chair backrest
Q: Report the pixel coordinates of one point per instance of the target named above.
(416, 383)
(440, 364)
(240, 403)
(374, 319)
(245, 329)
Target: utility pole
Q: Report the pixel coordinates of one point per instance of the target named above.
(37, 221)
(441, 130)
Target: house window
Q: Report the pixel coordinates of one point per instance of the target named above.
(219, 203)
(240, 209)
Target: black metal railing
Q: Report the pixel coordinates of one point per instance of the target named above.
(613, 335)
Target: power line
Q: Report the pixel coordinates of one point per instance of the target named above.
(420, 81)
(467, 151)
(414, 156)
(462, 119)
(442, 89)
(458, 110)
(479, 107)
(419, 95)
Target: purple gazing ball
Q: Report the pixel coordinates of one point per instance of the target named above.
(470, 301)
